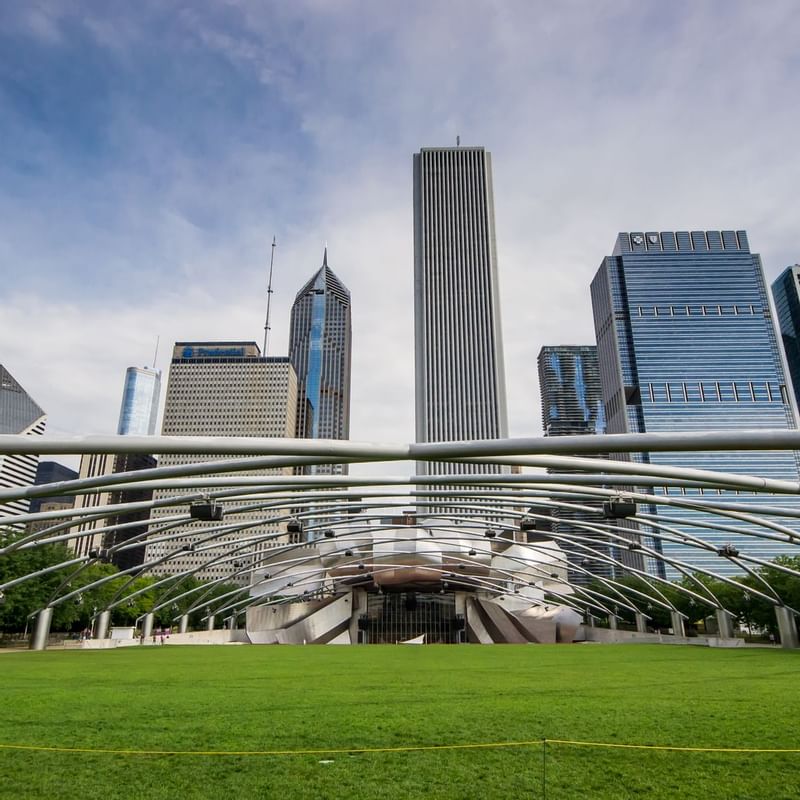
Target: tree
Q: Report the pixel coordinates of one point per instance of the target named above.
(26, 598)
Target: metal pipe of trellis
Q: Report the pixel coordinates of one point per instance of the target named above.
(677, 562)
(11, 444)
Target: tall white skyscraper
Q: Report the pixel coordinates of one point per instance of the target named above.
(460, 379)
(140, 395)
(18, 414)
(221, 389)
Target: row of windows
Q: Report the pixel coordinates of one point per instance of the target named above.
(691, 310)
(716, 391)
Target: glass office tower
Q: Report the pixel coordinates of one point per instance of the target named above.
(320, 342)
(786, 292)
(686, 343)
(139, 409)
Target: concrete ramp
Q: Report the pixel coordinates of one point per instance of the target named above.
(476, 630)
(541, 631)
(303, 623)
(500, 624)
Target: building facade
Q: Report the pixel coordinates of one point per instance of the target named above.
(105, 532)
(221, 389)
(572, 405)
(139, 410)
(320, 343)
(572, 400)
(52, 472)
(786, 293)
(459, 372)
(686, 342)
(19, 414)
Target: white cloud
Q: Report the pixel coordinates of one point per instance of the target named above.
(600, 117)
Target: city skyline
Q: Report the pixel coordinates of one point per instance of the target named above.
(266, 126)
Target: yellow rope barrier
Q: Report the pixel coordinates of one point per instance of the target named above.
(407, 748)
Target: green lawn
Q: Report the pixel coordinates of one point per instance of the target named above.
(292, 698)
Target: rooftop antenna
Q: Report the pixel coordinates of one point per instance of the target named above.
(269, 297)
(458, 141)
(155, 355)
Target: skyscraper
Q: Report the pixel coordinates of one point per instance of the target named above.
(19, 414)
(92, 534)
(222, 389)
(572, 405)
(786, 292)
(686, 343)
(460, 380)
(52, 472)
(319, 350)
(569, 380)
(137, 417)
(140, 396)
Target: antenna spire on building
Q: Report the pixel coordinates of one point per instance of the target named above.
(155, 355)
(269, 297)
(325, 255)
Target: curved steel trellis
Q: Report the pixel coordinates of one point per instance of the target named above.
(567, 500)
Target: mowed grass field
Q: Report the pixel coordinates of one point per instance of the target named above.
(317, 698)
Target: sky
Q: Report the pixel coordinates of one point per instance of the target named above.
(151, 151)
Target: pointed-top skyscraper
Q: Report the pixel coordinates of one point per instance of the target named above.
(19, 413)
(320, 342)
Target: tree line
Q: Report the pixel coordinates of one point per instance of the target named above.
(25, 599)
(749, 609)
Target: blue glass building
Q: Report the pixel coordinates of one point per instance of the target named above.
(569, 380)
(786, 292)
(319, 350)
(686, 342)
(572, 405)
(140, 395)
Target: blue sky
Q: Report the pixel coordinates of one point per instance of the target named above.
(151, 150)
